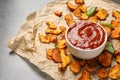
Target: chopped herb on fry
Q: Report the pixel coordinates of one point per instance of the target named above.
(107, 24)
(91, 11)
(55, 45)
(110, 47)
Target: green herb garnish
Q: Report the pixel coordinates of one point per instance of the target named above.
(55, 45)
(91, 11)
(107, 24)
(109, 47)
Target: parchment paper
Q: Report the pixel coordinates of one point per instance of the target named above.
(26, 43)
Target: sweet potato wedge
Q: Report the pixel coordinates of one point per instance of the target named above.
(44, 39)
(84, 16)
(56, 56)
(63, 28)
(102, 72)
(115, 23)
(75, 67)
(49, 53)
(85, 75)
(82, 62)
(116, 14)
(58, 13)
(93, 19)
(53, 37)
(51, 25)
(53, 31)
(65, 60)
(105, 59)
(118, 59)
(83, 8)
(61, 43)
(116, 53)
(81, 2)
(77, 13)
(102, 14)
(108, 30)
(92, 62)
(115, 33)
(115, 72)
(90, 68)
(71, 6)
(69, 19)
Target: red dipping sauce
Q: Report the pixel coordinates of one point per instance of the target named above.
(86, 35)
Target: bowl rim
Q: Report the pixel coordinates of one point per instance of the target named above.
(81, 48)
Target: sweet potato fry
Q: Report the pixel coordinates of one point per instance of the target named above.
(51, 25)
(57, 31)
(83, 8)
(92, 62)
(65, 60)
(57, 13)
(93, 19)
(84, 16)
(108, 30)
(85, 75)
(82, 62)
(115, 33)
(53, 37)
(102, 73)
(90, 68)
(116, 14)
(56, 56)
(63, 28)
(77, 13)
(70, 22)
(81, 2)
(63, 31)
(44, 39)
(52, 31)
(118, 59)
(105, 58)
(115, 23)
(91, 65)
(61, 43)
(69, 19)
(102, 14)
(75, 67)
(116, 53)
(49, 53)
(49, 31)
(71, 6)
(115, 72)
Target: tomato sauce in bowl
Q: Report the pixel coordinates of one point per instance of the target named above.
(85, 39)
(86, 35)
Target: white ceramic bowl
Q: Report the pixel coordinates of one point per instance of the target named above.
(84, 53)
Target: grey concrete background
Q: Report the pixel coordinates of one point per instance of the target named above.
(12, 15)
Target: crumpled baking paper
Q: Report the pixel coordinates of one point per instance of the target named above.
(26, 43)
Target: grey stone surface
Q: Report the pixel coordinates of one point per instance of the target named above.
(12, 15)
